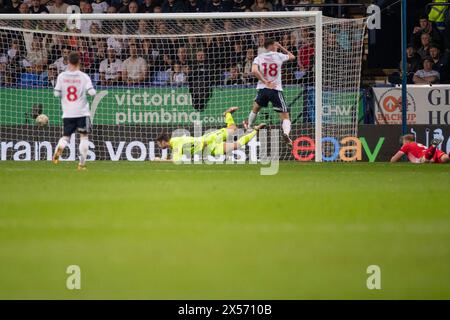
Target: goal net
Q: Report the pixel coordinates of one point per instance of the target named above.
(171, 72)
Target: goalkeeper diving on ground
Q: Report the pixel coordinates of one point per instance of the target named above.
(215, 143)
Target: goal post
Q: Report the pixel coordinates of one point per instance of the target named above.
(318, 86)
(162, 72)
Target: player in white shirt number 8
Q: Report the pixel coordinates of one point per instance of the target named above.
(71, 87)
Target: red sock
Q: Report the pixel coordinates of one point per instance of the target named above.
(429, 153)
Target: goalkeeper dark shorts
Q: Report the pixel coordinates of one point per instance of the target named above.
(273, 96)
(72, 125)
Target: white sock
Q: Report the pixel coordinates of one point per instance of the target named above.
(251, 119)
(84, 147)
(286, 125)
(62, 143)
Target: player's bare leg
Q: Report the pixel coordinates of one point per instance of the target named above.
(62, 143)
(286, 128)
(83, 148)
(248, 124)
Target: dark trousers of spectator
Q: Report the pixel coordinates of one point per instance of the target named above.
(200, 96)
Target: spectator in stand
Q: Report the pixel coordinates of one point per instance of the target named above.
(240, 5)
(58, 7)
(157, 9)
(261, 39)
(426, 75)
(95, 28)
(437, 15)
(150, 54)
(99, 6)
(134, 69)
(23, 8)
(132, 7)
(3, 10)
(62, 62)
(238, 55)
(162, 69)
(424, 26)
(52, 75)
(192, 46)
(424, 50)
(172, 6)
(123, 6)
(36, 7)
(291, 65)
(200, 81)
(414, 61)
(111, 9)
(115, 41)
(110, 69)
(85, 25)
(37, 56)
(235, 77)
(13, 6)
(143, 27)
(261, 5)
(148, 6)
(131, 26)
(194, 6)
(99, 48)
(306, 51)
(247, 71)
(13, 63)
(178, 76)
(217, 6)
(86, 56)
(440, 63)
(3, 63)
(182, 56)
(210, 45)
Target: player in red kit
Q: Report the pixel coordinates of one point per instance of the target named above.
(418, 153)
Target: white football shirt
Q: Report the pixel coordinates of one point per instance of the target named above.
(72, 87)
(110, 69)
(269, 64)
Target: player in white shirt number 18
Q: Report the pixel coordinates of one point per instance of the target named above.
(71, 87)
(267, 68)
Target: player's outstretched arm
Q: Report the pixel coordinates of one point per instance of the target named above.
(285, 51)
(396, 157)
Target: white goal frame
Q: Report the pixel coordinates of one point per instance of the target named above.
(318, 22)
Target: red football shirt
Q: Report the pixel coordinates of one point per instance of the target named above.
(414, 151)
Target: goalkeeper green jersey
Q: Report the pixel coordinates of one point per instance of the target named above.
(213, 141)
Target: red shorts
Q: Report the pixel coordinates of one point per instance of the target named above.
(437, 156)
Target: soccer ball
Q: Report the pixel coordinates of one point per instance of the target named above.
(42, 120)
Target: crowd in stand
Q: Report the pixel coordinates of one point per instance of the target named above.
(37, 58)
(428, 53)
(168, 6)
(28, 58)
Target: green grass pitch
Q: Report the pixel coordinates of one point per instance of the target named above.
(162, 231)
